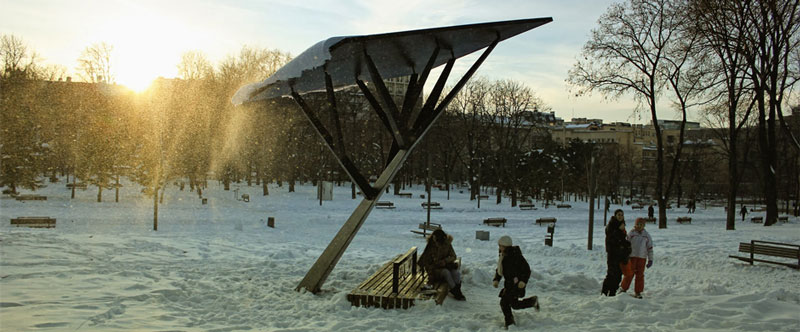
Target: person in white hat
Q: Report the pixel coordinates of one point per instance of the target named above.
(512, 267)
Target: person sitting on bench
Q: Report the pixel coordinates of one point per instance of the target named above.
(439, 261)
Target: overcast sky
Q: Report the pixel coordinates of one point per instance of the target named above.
(149, 36)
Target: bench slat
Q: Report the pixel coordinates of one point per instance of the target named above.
(769, 250)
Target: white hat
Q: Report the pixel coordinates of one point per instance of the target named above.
(504, 241)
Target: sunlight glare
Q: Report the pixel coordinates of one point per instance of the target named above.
(146, 46)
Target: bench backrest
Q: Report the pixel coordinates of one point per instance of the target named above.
(771, 249)
(404, 266)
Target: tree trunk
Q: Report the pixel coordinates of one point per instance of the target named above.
(733, 181)
(155, 207)
(99, 193)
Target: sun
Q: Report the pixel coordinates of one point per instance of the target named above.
(146, 46)
(137, 82)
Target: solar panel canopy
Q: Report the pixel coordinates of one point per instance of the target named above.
(394, 54)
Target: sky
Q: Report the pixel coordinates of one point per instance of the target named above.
(149, 36)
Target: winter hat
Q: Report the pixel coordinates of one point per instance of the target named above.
(504, 241)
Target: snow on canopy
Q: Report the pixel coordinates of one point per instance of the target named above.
(395, 54)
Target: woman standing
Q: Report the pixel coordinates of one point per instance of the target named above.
(619, 249)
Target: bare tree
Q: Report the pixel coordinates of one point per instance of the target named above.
(510, 131)
(471, 109)
(16, 58)
(773, 38)
(627, 54)
(94, 64)
(194, 65)
(722, 25)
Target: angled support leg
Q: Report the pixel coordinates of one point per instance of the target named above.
(319, 272)
(342, 158)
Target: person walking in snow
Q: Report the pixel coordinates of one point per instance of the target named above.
(512, 267)
(743, 212)
(641, 257)
(650, 211)
(439, 261)
(618, 249)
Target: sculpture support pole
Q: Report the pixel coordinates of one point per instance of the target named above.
(319, 272)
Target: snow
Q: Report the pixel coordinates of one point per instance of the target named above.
(218, 267)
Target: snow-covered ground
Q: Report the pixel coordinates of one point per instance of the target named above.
(218, 267)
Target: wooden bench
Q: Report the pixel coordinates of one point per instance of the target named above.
(541, 221)
(527, 206)
(773, 249)
(682, 220)
(757, 220)
(31, 198)
(783, 218)
(384, 205)
(80, 185)
(496, 222)
(636, 207)
(397, 284)
(406, 195)
(434, 205)
(34, 222)
(758, 209)
(483, 196)
(564, 206)
(427, 229)
(651, 220)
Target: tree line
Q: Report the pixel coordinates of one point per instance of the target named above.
(732, 60)
(712, 57)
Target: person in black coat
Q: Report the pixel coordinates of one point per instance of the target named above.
(512, 267)
(619, 249)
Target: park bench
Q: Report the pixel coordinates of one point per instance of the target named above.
(652, 220)
(564, 206)
(757, 220)
(397, 284)
(80, 185)
(636, 207)
(772, 249)
(496, 222)
(35, 222)
(682, 220)
(384, 205)
(527, 206)
(783, 218)
(483, 196)
(434, 205)
(549, 220)
(406, 195)
(31, 198)
(758, 209)
(427, 228)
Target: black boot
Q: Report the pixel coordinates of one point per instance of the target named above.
(509, 322)
(456, 291)
(531, 302)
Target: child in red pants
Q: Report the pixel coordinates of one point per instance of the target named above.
(641, 258)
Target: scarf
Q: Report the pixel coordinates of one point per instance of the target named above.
(500, 264)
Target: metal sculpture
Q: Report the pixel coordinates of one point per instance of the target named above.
(350, 61)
